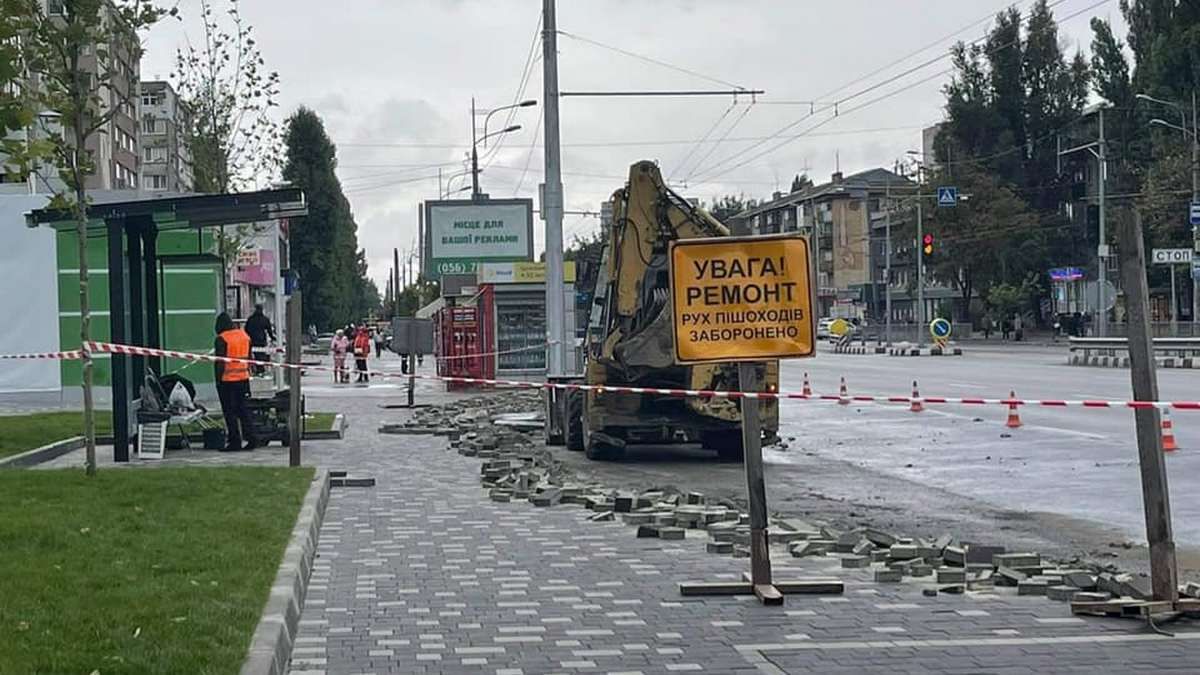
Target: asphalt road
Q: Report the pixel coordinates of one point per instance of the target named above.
(1076, 462)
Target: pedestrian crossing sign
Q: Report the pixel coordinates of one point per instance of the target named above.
(947, 195)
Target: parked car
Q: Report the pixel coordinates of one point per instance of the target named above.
(823, 328)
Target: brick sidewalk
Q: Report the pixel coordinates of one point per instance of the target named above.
(424, 574)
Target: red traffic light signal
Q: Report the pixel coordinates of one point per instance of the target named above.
(928, 244)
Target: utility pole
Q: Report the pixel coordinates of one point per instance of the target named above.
(474, 156)
(1102, 247)
(552, 198)
(887, 263)
(920, 250)
(1156, 501)
(1195, 229)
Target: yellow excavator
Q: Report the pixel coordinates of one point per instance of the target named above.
(629, 338)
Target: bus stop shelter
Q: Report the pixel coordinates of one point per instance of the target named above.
(131, 229)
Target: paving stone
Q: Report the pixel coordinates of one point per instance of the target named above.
(1032, 587)
(1062, 593)
(720, 547)
(855, 561)
(950, 575)
(1017, 560)
(888, 576)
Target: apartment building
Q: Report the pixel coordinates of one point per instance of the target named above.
(166, 163)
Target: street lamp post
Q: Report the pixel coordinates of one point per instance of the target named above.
(1194, 132)
(475, 142)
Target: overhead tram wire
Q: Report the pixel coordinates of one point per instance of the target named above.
(638, 143)
(529, 155)
(711, 129)
(936, 43)
(526, 72)
(651, 60)
(715, 145)
(708, 176)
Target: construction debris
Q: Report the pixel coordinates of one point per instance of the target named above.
(516, 466)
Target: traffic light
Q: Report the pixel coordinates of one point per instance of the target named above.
(927, 245)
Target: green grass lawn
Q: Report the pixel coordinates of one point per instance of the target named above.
(139, 571)
(19, 433)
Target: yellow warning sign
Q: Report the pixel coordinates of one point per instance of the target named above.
(741, 299)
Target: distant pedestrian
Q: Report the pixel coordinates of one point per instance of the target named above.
(233, 383)
(340, 346)
(987, 327)
(261, 333)
(1018, 327)
(379, 342)
(362, 351)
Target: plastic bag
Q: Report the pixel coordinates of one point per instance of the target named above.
(180, 399)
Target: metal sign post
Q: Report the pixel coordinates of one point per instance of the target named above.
(939, 330)
(293, 357)
(749, 300)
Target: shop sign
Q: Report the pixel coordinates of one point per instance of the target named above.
(521, 272)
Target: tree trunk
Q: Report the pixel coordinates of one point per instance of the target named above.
(81, 223)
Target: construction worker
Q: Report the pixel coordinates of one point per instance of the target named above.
(233, 384)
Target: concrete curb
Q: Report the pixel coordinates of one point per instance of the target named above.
(42, 454)
(1123, 362)
(853, 349)
(931, 351)
(337, 433)
(271, 646)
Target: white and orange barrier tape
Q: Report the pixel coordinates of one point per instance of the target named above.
(106, 347)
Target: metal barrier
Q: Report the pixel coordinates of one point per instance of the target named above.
(1087, 347)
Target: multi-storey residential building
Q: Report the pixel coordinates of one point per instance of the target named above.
(166, 157)
(850, 215)
(113, 147)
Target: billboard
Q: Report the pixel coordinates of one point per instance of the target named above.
(461, 233)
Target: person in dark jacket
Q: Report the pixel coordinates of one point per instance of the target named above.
(261, 333)
(233, 383)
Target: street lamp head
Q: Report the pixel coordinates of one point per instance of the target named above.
(515, 127)
(913, 152)
(526, 103)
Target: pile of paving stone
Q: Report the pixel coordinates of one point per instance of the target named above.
(517, 466)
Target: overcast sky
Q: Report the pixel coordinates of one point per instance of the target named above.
(393, 80)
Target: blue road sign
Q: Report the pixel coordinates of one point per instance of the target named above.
(947, 195)
(1194, 214)
(940, 328)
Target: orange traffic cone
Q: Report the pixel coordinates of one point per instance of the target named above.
(1014, 419)
(807, 390)
(843, 395)
(1168, 432)
(915, 405)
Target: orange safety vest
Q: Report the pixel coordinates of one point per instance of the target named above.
(237, 346)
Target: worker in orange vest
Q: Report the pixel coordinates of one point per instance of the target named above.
(233, 383)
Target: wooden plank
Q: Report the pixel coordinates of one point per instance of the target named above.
(715, 588)
(814, 586)
(768, 594)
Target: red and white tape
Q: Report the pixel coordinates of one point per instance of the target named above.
(67, 355)
(680, 393)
